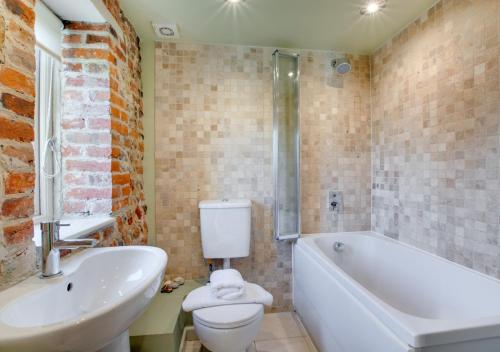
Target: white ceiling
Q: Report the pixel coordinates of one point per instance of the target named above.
(79, 10)
(309, 24)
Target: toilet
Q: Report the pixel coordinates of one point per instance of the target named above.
(225, 233)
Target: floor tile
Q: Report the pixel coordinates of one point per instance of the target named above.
(192, 346)
(279, 326)
(294, 344)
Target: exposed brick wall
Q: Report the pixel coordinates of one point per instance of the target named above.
(102, 124)
(102, 121)
(86, 120)
(17, 180)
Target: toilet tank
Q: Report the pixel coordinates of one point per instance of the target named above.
(225, 228)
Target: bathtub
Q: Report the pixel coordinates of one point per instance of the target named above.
(376, 294)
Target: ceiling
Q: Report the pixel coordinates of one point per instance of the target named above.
(307, 24)
(75, 10)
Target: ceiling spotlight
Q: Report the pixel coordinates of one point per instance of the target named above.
(233, 1)
(372, 6)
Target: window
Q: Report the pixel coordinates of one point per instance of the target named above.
(48, 132)
(47, 135)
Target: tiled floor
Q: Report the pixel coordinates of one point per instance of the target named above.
(279, 332)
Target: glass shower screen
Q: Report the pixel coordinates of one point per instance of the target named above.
(286, 145)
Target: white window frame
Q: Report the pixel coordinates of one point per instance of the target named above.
(47, 189)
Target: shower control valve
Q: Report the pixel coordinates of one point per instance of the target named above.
(335, 201)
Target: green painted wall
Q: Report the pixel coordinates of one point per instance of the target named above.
(148, 87)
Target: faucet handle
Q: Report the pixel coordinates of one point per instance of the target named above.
(62, 225)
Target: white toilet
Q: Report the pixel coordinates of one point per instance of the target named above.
(225, 233)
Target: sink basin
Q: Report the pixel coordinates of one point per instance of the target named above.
(89, 308)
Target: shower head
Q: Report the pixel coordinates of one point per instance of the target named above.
(341, 66)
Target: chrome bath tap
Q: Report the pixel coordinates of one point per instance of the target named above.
(338, 246)
(51, 245)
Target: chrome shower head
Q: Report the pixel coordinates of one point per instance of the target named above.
(341, 66)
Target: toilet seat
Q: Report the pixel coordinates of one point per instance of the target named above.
(228, 316)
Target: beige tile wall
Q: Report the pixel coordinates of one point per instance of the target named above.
(214, 139)
(436, 110)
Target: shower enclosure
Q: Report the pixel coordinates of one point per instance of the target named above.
(286, 145)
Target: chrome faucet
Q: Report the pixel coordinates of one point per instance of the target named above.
(51, 245)
(338, 246)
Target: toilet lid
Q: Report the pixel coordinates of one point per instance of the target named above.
(229, 316)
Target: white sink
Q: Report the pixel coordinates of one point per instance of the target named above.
(89, 308)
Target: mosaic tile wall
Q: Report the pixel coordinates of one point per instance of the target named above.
(436, 111)
(214, 140)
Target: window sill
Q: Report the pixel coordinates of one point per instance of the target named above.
(79, 227)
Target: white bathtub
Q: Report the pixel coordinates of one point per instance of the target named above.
(379, 295)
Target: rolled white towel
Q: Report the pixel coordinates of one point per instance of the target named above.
(202, 297)
(227, 284)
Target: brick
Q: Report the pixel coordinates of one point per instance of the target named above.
(18, 207)
(115, 152)
(99, 124)
(71, 150)
(96, 39)
(76, 179)
(121, 179)
(77, 123)
(22, 153)
(88, 138)
(117, 192)
(86, 26)
(20, 57)
(89, 193)
(88, 165)
(25, 13)
(119, 127)
(72, 38)
(119, 204)
(87, 82)
(73, 67)
(99, 152)
(19, 34)
(18, 105)
(97, 68)
(18, 233)
(115, 99)
(19, 182)
(115, 166)
(126, 190)
(17, 81)
(138, 212)
(85, 53)
(16, 130)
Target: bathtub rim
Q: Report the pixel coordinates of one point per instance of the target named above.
(416, 331)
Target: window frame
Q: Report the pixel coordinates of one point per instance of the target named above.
(47, 193)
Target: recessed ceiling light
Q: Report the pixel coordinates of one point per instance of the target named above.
(233, 1)
(372, 6)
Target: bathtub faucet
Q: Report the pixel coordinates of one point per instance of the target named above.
(338, 246)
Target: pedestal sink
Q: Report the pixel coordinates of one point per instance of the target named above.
(89, 308)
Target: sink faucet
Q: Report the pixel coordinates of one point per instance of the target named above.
(51, 245)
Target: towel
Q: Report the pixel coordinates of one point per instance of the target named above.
(203, 297)
(227, 284)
